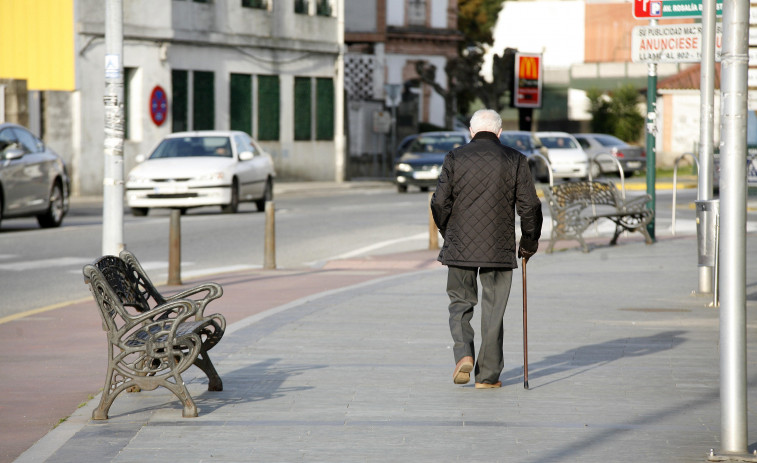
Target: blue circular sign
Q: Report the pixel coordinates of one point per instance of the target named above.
(158, 105)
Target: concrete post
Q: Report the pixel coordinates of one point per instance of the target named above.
(174, 248)
(269, 255)
(433, 232)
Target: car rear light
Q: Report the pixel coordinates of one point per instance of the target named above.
(619, 154)
(643, 153)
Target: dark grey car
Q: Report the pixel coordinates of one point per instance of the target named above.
(529, 145)
(33, 178)
(632, 158)
(421, 161)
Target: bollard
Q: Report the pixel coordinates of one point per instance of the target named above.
(174, 248)
(433, 232)
(269, 256)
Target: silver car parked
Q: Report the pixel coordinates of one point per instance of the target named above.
(34, 181)
(631, 158)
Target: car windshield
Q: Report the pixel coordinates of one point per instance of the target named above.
(557, 142)
(436, 143)
(609, 140)
(193, 146)
(518, 141)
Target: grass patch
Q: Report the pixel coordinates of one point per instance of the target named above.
(667, 172)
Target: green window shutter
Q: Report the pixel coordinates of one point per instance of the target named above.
(240, 102)
(203, 107)
(268, 107)
(303, 107)
(179, 105)
(324, 121)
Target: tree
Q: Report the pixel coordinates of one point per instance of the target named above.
(475, 19)
(616, 113)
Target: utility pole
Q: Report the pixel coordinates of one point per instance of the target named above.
(113, 179)
(340, 142)
(650, 141)
(732, 274)
(706, 206)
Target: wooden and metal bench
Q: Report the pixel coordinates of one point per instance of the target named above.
(574, 206)
(152, 339)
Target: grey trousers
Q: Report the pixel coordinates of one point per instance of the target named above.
(462, 290)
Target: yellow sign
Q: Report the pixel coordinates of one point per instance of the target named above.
(37, 43)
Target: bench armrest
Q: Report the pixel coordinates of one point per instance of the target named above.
(213, 291)
(182, 308)
(635, 204)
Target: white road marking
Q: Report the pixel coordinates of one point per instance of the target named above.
(44, 263)
(372, 247)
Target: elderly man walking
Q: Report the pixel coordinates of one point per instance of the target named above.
(481, 187)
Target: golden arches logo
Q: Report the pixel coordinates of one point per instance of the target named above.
(528, 67)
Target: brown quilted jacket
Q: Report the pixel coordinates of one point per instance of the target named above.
(480, 188)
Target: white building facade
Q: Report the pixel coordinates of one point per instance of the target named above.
(268, 67)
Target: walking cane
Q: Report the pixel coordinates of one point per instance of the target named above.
(525, 328)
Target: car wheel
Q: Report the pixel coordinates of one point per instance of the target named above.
(267, 195)
(233, 205)
(139, 211)
(402, 188)
(53, 217)
(596, 170)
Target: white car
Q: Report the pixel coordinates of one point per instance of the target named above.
(566, 157)
(207, 168)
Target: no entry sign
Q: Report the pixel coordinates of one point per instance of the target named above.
(158, 105)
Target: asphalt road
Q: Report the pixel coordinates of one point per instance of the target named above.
(40, 268)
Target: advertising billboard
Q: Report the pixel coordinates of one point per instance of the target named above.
(528, 80)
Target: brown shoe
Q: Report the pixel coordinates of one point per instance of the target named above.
(488, 385)
(462, 371)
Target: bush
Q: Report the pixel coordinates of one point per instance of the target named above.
(616, 113)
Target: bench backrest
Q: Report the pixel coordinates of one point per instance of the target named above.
(125, 282)
(598, 193)
(120, 287)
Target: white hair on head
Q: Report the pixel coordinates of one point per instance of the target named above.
(485, 120)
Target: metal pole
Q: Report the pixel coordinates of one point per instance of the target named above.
(732, 278)
(525, 327)
(113, 179)
(174, 248)
(706, 123)
(269, 255)
(650, 140)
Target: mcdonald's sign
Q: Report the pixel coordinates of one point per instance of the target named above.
(528, 80)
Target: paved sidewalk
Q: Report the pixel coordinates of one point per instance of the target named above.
(623, 368)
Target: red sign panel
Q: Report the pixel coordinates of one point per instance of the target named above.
(158, 105)
(528, 80)
(647, 9)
